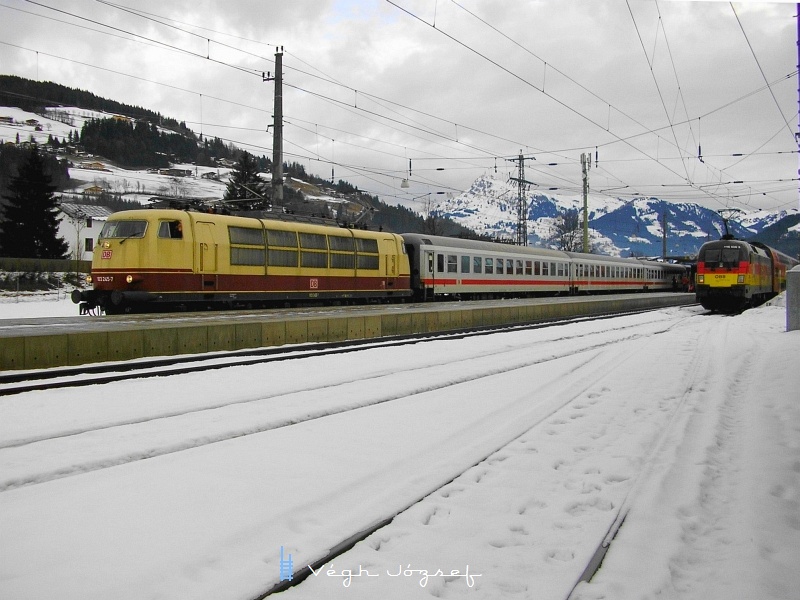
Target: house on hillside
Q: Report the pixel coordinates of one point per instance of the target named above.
(93, 166)
(80, 226)
(93, 190)
(176, 172)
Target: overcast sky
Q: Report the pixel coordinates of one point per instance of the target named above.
(456, 87)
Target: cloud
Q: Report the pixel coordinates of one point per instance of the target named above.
(457, 87)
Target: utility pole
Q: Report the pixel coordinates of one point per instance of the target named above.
(586, 164)
(277, 124)
(664, 236)
(522, 201)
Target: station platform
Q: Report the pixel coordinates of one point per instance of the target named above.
(27, 344)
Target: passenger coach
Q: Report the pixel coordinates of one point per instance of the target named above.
(475, 269)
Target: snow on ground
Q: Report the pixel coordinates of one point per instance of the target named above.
(30, 305)
(685, 424)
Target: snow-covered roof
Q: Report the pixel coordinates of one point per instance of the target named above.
(80, 211)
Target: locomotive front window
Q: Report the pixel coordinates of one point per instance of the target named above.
(730, 256)
(124, 229)
(725, 256)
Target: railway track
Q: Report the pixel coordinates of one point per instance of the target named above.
(497, 454)
(585, 349)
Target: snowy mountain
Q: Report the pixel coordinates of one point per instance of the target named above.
(617, 227)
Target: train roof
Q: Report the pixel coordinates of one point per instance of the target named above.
(151, 214)
(480, 245)
(464, 244)
(753, 246)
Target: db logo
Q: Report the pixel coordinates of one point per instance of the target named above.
(313, 284)
(106, 254)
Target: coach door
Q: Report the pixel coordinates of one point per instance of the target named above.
(206, 253)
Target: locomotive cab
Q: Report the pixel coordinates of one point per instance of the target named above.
(134, 252)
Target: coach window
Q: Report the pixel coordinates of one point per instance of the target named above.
(489, 266)
(465, 264)
(510, 266)
(519, 268)
(440, 263)
(477, 264)
(537, 268)
(499, 266)
(560, 269)
(545, 269)
(528, 267)
(452, 263)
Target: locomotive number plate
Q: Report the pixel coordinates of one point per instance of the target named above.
(106, 254)
(313, 283)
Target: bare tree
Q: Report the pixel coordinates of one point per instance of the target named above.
(567, 234)
(434, 223)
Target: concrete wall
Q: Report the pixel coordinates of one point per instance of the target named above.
(133, 341)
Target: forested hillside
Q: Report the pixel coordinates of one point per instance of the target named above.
(34, 96)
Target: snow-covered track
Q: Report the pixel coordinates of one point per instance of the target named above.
(46, 446)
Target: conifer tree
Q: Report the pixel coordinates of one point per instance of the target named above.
(30, 219)
(245, 182)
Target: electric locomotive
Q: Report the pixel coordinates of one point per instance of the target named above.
(733, 275)
(155, 260)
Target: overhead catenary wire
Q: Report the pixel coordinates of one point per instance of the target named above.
(430, 132)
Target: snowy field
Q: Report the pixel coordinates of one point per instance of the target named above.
(525, 448)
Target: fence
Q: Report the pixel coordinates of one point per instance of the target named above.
(44, 265)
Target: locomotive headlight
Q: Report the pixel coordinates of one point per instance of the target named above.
(88, 279)
(129, 279)
(740, 279)
(701, 279)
